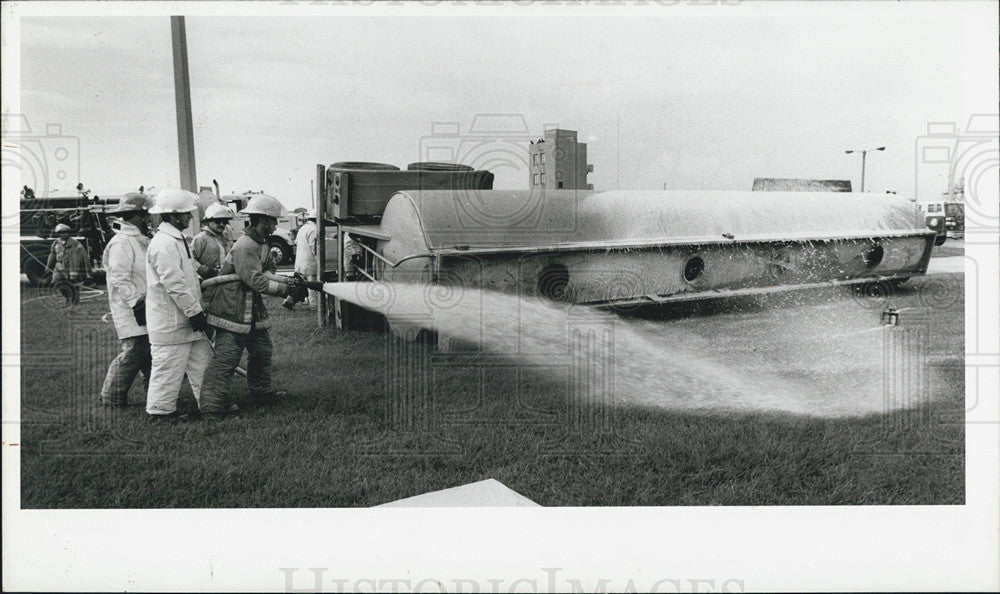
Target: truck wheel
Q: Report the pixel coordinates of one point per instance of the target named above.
(940, 239)
(280, 252)
(35, 272)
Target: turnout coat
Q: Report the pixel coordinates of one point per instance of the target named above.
(125, 263)
(238, 306)
(69, 257)
(209, 250)
(173, 292)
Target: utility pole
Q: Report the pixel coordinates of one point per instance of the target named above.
(182, 99)
(323, 313)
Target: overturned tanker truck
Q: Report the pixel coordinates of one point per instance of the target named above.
(612, 248)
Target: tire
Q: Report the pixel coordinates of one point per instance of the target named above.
(436, 166)
(426, 336)
(35, 271)
(940, 239)
(281, 253)
(69, 291)
(363, 166)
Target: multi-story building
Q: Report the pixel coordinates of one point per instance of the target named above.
(558, 161)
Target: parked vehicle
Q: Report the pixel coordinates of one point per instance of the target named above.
(282, 242)
(947, 218)
(38, 217)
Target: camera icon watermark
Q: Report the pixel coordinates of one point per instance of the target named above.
(461, 333)
(48, 162)
(81, 367)
(495, 141)
(500, 143)
(45, 163)
(962, 166)
(922, 386)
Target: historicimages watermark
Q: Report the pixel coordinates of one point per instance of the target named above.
(548, 579)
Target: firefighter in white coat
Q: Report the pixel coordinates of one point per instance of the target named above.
(175, 319)
(305, 254)
(125, 264)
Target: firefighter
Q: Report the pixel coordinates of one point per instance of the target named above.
(237, 314)
(352, 258)
(213, 244)
(69, 263)
(125, 263)
(176, 321)
(305, 254)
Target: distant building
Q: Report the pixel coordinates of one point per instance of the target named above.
(779, 184)
(558, 161)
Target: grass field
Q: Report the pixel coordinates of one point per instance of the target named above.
(342, 438)
(950, 248)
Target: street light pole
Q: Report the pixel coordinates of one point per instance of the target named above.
(864, 154)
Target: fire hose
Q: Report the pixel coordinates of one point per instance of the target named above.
(289, 301)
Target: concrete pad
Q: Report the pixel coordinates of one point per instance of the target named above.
(487, 493)
(945, 265)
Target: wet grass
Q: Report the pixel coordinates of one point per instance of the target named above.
(949, 248)
(346, 437)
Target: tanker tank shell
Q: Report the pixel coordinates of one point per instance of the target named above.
(627, 247)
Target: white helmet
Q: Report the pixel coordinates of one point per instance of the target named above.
(63, 227)
(174, 200)
(217, 211)
(133, 202)
(264, 205)
(311, 215)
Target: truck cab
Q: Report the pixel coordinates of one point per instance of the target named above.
(282, 242)
(946, 218)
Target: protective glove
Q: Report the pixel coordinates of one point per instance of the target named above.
(139, 310)
(199, 322)
(207, 272)
(314, 285)
(295, 292)
(299, 291)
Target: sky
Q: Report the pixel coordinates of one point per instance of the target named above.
(677, 98)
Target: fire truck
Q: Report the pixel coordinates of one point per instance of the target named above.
(282, 241)
(88, 217)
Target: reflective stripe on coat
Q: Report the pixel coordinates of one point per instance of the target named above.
(237, 306)
(70, 256)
